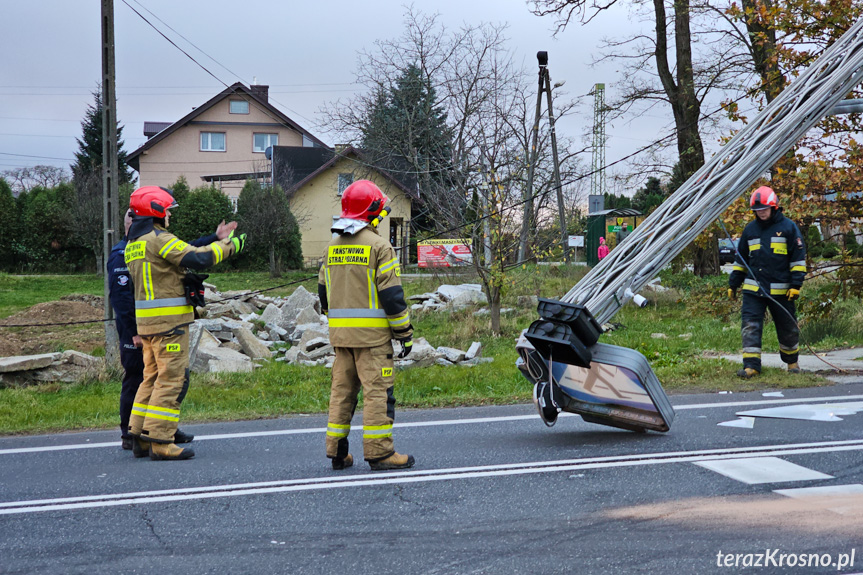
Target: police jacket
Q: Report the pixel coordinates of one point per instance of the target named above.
(360, 289)
(121, 296)
(157, 260)
(775, 252)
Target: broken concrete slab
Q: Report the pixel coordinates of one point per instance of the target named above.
(451, 354)
(475, 350)
(252, 345)
(27, 362)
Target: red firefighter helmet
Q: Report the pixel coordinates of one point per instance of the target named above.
(363, 200)
(762, 198)
(151, 201)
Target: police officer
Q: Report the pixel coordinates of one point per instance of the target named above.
(120, 293)
(156, 260)
(360, 288)
(774, 255)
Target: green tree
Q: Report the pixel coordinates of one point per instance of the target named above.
(273, 234)
(613, 201)
(87, 169)
(9, 230)
(199, 212)
(648, 197)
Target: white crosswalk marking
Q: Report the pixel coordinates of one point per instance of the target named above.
(762, 470)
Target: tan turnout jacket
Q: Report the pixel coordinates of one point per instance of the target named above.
(360, 286)
(157, 262)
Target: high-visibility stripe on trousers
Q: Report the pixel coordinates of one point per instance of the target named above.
(156, 410)
(752, 316)
(369, 369)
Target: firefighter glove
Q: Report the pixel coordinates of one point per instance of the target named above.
(193, 285)
(407, 345)
(793, 294)
(732, 294)
(238, 241)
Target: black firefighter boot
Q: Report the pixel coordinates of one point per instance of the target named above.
(340, 463)
(181, 436)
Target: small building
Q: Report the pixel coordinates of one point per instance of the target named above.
(613, 225)
(222, 141)
(314, 179)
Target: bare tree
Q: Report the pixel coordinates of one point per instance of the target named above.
(475, 191)
(25, 179)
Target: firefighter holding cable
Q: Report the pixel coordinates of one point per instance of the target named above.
(771, 267)
(164, 298)
(360, 289)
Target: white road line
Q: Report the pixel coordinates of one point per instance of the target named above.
(763, 470)
(419, 476)
(436, 423)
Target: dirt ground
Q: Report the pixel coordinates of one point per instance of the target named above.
(34, 340)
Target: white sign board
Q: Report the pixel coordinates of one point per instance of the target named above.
(576, 241)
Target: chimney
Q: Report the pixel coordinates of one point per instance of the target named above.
(261, 92)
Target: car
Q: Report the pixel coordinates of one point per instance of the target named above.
(727, 251)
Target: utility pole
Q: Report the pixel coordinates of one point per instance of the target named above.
(110, 188)
(527, 222)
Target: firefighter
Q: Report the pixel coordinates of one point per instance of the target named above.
(156, 260)
(360, 289)
(123, 301)
(772, 249)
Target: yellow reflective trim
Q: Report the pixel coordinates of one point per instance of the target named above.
(160, 311)
(750, 355)
(338, 426)
(148, 281)
(137, 412)
(359, 322)
(334, 434)
(165, 417)
(738, 268)
(749, 287)
(141, 405)
(755, 247)
(778, 291)
(218, 253)
(327, 277)
(167, 247)
(388, 265)
(400, 321)
(798, 268)
(377, 435)
(377, 427)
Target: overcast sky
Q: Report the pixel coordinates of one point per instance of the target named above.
(305, 51)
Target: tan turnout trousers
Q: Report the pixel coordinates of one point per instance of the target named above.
(156, 411)
(369, 368)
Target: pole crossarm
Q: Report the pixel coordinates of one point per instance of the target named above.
(720, 181)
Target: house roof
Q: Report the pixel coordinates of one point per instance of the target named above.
(307, 165)
(153, 128)
(233, 90)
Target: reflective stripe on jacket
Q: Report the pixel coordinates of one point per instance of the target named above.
(775, 252)
(157, 262)
(361, 290)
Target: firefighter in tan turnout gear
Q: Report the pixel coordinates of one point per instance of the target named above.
(360, 289)
(157, 261)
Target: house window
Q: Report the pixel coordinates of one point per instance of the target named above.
(212, 141)
(264, 141)
(239, 107)
(345, 180)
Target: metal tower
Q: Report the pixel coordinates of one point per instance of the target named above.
(597, 178)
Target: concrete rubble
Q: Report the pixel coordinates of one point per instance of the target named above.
(236, 335)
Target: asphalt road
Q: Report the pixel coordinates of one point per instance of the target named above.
(494, 491)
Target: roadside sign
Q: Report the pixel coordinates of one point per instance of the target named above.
(444, 253)
(576, 241)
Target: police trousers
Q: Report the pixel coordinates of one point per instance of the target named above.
(156, 411)
(132, 361)
(785, 319)
(369, 369)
